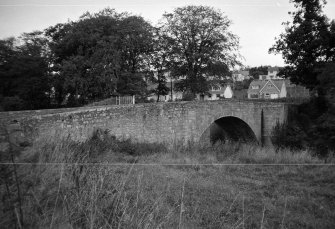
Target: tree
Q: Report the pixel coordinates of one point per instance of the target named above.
(308, 48)
(131, 84)
(24, 72)
(99, 55)
(136, 46)
(200, 45)
(307, 44)
(327, 83)
(85, 57)
(160, 63)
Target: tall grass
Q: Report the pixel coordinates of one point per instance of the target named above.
(71, 187)
(107, 182)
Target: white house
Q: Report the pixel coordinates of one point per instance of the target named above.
(267, 89)
(216, 93)
(276, 88)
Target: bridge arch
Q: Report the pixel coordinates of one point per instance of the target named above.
(228, 127)
(160, 122)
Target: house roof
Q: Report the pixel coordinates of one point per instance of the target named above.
(292, 89)
(255, 83)
(278, 83)
(261, 84)
(244, 72)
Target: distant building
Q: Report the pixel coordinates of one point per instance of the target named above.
(275, 88)
(216, 93)
(240, 75)
(272, 74)
(267, 89)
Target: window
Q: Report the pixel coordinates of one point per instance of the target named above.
(266, 95)
(254, 96)
(270, 85)
(274, 96)
(255, 87)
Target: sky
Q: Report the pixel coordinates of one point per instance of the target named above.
(256, 22)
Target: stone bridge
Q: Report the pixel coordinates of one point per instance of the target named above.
(201, 121)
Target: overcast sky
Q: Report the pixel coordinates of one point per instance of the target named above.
(256, 22)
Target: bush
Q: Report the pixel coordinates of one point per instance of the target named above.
(188, 96)
(102, 138)
(313, 127)
(288, 136)
(12, 103)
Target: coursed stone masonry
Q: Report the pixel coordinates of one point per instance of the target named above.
(153, 122)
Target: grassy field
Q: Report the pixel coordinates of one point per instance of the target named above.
(109, 183)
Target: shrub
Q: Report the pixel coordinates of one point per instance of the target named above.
(12, 103)
(188, 96)
(313, 127)
(288, 136)
(102, 138)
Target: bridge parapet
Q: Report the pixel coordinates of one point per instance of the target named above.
(154, 122)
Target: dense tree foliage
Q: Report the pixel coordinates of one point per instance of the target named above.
(256, 71)
(327, 81)
(200, 45)
(99, 55)
(311, 127)
(161, 63)
(307, 44)
(308, 48)
(24, 72)
(106, 53)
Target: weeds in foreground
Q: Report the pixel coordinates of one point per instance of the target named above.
(105, 183)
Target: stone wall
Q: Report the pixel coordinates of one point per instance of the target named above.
(154, 122)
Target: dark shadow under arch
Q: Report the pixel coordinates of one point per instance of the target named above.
(228, 129)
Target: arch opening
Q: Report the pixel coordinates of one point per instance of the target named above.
(227, 129)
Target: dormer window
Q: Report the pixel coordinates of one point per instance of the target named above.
(255, 87)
